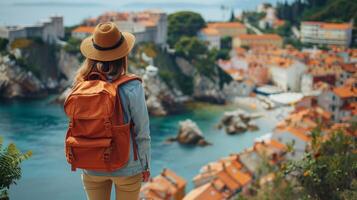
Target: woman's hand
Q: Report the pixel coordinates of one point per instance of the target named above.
(146, 176)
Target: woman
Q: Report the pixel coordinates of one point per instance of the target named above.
(106, 52)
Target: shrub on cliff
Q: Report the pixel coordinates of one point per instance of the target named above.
(21, 43)
(72, 46)
(184, 23)
(327, 171)
(190, 48)
(3, 45)
(10, 169)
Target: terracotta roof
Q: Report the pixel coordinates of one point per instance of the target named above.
(341, 26)
(164, 185)
(259, 37)
(279, 22)
(148, 23)
(350, 67)
(84, 29)
(204, 192)
(226, 25)
(299, 132)
(232, 184)
(345, 92)
(210, 31)
(277, 145)
(173, 178)
(149, 194)
(239, 176)
(218, 184)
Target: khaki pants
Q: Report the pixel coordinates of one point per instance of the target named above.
(99, 187)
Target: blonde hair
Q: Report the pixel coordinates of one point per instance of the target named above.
(114, 68)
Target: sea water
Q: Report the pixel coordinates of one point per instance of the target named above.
(40, 126)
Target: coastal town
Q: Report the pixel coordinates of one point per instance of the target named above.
(314, 85)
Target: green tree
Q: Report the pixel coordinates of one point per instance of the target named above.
(183, 23)
(10, 169)
(328, 171)
(232, 18)
(217, 54)
(284, 30)
(3, 44)
(190, 47)
(330, 167)
(226, 42)
(73, 45)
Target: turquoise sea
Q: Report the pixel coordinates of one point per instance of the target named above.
(40, 126)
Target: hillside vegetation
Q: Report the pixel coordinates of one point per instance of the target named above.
(318, 10)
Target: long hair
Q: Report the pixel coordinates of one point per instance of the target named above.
(114, 68)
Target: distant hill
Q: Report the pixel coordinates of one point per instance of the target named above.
(318, 10)
(333, 10)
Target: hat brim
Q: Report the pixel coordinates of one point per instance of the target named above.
(89, 51)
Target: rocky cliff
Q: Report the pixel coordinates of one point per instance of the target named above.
(37, 69)
(33, 69)
(68, 64)
(184, 76)
(17, 82)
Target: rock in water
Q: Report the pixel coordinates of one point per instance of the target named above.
(189, 134)
(237, 121)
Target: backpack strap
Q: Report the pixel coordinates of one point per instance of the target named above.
(125, 79)
(117, 83)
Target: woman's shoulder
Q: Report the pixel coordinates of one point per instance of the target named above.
(132, 86)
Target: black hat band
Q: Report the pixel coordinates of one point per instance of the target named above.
(116, 45)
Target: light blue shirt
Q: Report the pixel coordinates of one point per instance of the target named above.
(134, 107)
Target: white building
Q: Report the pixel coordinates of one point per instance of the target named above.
(211, 37)
(147, 26)
(338, 101)
(290, 137)
(326, 33)
(215, 31)
(50, 30)
(307, 84)
(288, 77)
(269, 19)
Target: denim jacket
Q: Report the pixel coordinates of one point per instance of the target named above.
(134, 108)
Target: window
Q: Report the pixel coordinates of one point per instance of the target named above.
(333, 108)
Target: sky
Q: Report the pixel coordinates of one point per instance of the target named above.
(117, 1)
(146, 1)
(27, 12)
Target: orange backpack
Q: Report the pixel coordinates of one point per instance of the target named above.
(97, 137)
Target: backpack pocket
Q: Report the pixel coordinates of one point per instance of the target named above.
(92, 154)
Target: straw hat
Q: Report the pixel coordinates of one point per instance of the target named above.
(107, 43)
